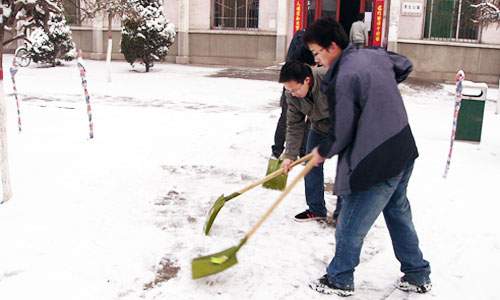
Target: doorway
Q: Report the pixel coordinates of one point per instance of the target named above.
(348, 13)
(344, 11)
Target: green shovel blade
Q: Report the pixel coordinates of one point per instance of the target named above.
(215, 263)
(279, 182)
(212, 213)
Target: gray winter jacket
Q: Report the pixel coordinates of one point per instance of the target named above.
(370, 130)
(315, 106)
(358, 33)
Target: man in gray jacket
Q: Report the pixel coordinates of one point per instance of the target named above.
(359, 34)
(376, 150)
(305, 100)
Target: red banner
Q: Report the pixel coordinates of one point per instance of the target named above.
(378, 14)
(297, 16)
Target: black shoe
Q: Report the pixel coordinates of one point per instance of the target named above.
(324, 286)
(404, 285)
(307, 216)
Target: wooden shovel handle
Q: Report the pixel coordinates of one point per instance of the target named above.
(306, 170)
(275, 174)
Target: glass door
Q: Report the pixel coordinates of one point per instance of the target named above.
(320, 8)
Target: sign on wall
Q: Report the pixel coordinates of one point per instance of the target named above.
(378, 14)
(411, 9)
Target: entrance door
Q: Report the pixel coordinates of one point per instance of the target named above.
(349, 11)
(369, 17)
(344, 11)
(320, 8)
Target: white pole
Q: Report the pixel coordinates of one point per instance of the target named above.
(392, 36)
(4, 162)
(498, 98)
(108, 58)
(281, 30)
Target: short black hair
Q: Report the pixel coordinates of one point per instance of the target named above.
(324, 31)
(295, 70)
(361, 16)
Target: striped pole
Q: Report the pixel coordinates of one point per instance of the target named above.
(13, 71)
(81, 67)
(458, 99)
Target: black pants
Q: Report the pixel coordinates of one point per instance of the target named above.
(280, 134)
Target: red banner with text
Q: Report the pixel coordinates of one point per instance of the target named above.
(297, 15)
(378, 16)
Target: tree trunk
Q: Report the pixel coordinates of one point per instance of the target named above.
(1, 48)
(4, 162)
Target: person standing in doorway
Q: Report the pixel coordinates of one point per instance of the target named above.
(359, 33)
(376, 151)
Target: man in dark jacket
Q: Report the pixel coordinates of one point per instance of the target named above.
(376, 151)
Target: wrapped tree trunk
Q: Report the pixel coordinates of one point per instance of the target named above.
(4, 162)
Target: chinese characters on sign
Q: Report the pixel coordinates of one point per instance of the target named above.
(377, 23)
(297, 18)
(411, 9)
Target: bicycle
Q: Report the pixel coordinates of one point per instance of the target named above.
(23, 56)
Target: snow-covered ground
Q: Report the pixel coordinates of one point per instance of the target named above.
(121, 216)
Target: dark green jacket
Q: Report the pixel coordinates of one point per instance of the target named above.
(315, 106)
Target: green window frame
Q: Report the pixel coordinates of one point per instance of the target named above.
(451, 20)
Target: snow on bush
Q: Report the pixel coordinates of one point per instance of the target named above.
(55, 45)
(146, 33)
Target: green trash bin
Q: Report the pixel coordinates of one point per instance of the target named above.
(470, 116)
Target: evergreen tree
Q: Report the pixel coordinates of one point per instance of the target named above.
(55, 45)
(146, 33)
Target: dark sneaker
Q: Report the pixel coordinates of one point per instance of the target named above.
(324, 286)
(404, 285)
(307, 216)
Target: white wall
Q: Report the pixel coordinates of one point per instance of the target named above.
(199, 14)
(172, 11)
(267, 15)
(491, 35)
(411, 27)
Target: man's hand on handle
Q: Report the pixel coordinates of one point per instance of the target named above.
(317, 157)
(286, 164)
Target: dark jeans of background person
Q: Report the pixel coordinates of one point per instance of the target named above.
(359, 45)
(338, 207)
(359, 212)
(314, 180)
(280, 133)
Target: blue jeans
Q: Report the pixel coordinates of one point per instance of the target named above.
(314, 180)
(359, 212)
(338, 207)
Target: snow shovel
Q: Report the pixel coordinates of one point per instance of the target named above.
(219, 203)
(218, 262)
(277, 183)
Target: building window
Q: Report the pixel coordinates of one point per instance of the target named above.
(72, 12)
(451, 20)
(236, 14)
